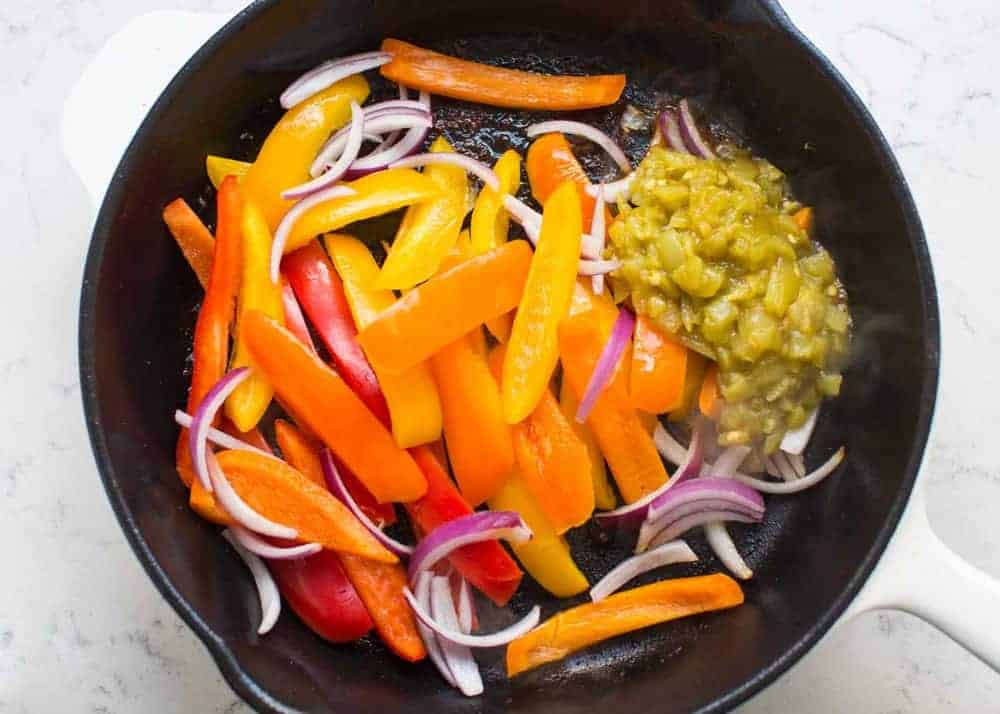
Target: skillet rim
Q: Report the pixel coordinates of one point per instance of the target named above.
(237, 678)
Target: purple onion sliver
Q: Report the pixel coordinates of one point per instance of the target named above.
(294, 214)
(576, 128)
(263, 549)
(725, 550)
(472, 528)
(203, 418)
(689, 131)
(621, 332)
(430, 640)
(666, 554)
(801, 484)
(325, 75)
(496, 639)
(697, 489)
(678, 528)
(379, 124)
(355, 138)
(335, 483)
(267, 589)
(459, 659)
(671, 131)
(477, 168)
(219, 438)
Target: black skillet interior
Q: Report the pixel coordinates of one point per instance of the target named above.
(744, 64)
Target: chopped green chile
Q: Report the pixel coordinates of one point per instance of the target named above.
(710, 251)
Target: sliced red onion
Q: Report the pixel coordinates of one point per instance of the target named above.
(598, 233)
(598, 268)
(667, 554)
(319, 78)
(477, 168)
(295, 321)
(669, 448)
(430, 640)
(530, 219)
(633, 514)
(466, 606)
(576, 128)
(797, 463)
(217, 437)
(795, 441)
(376, 124)
(621, 332)
(801, 484)
(263, 549)
(614, 190)
(729, 461)
(291, 218)
(378, 160)
(692, 137)
(671, 131)
(352, 147)
(496, 639)
(267, 590)
(780, 464)
(239, 510)
(473, 528)
(725, 550)
(335, 483)
(203, 418)
(459, 659)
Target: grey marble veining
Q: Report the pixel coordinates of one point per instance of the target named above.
(79, 617)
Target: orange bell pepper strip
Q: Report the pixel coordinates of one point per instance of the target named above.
(533, 350)
(192, 237)
(694, 375)
(709, 398)
(218, 167)
(551, 161)
(554, 464)
(490, 224)
(327, 406)
(446, 307)
(279, 492)
(248, 402)
(447, 76)
(374, 195)
(659, 364)
(621, 433)
(623, 612)
(429, 229)
(380, 585)
(546, 556)
(218, 309)
(412, 396)
(477, 437)
(289, 150)
(486, 565)
(604, 495)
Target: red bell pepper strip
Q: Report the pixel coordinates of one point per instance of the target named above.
(321, 294)
(218, 310)
(486, 566)
(295, 321)
(318, 590)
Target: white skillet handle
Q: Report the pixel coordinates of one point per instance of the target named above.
(109, 101)
(922, 576)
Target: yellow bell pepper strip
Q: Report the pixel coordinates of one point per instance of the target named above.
(554, 464)
(323, 403)
(534, 343)
(604, 495)
(621, 433)
(477, 437)
(490, 224)
(279, 492)
(694, 375)
(192, 237)
(546, 556)
(218, 167)
(374, 195)
(248, 402)
(215, 317)
(292, 145)
(446, 307)
(625, 611)
(447, 76)
(412, 396)
(659, 365)
(429, 229)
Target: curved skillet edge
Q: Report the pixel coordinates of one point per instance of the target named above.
(241, 682)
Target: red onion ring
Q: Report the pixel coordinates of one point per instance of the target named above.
(376, 124)
(692, 137)
(263, 549)
(667, 554)
(352, 147)
(466, 606)
(267, 589)
(431, 642)
(614, 190)
(203, 418)
(621, 332)
(701, 518)
(800, 484)
(239, 510)
(586, 131)
(288, 222)
(217, 437)
(322, 76)
(496, 639)
(598, 268)
(477, 168)
(671, 131)
(378, 160)
(472, 528)
(459, 659)
(335, 483)
(725, 550)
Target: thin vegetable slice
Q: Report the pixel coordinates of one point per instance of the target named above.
(606, 363)
(576, 128)
(667, 554)
(801, 484)
(472, 528)
(267, 590)
(459, 658)
(422, 595)
(496, 639)
(263, 549)
(192, 237)
(319, 78)
(205, 416)
(352, 147)
(693, 138)
(477, 168)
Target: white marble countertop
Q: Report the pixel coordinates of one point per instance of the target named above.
(80, 623)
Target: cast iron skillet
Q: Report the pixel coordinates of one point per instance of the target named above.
(746, 63)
